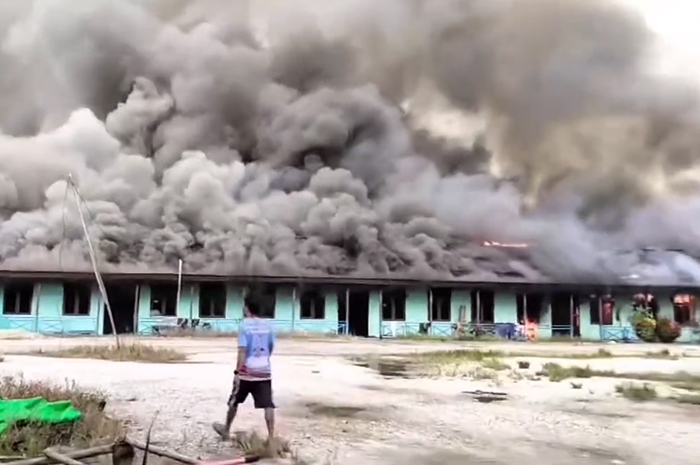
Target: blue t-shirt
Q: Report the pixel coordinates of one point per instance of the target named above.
(256, 336)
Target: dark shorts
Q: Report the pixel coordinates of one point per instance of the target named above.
(260, 390)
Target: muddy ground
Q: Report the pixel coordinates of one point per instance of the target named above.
(334, 408)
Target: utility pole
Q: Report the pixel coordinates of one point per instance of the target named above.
(93, 259)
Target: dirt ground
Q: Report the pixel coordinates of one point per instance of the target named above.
(333, 410)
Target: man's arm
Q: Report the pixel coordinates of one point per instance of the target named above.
(242, 350)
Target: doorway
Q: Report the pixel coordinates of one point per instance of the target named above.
(354, 310)
(576, 315)
(122, 299)
(562, 311)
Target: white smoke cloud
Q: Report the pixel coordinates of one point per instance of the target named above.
(194, 135)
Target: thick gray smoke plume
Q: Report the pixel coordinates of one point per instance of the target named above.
(261, 137)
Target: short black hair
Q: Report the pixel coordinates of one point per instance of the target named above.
(252, 304)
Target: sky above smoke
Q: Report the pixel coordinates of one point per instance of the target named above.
(354, 137)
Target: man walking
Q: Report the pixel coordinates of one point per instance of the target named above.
(253, 373)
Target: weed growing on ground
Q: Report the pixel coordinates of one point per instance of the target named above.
(687, 386)
(459, 356)
(30, 439)
(494, 364)
(663, 354)
(556, 372)
(516, 375)
(251, 443)
(637, 392)
(460, 363)
(481, 373)
(688, 399)
(125, 353)
(476, 355)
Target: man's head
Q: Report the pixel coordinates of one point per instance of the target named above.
(251, 308)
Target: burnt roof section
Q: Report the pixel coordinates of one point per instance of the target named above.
(334, 281)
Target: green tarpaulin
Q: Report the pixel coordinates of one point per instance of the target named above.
(36, 410)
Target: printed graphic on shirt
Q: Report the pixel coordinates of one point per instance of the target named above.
(256, 336)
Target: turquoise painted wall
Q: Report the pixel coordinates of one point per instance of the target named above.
(418, 311)
(144, 320)
(505, 308)
(329, 324)
(286, 309)
(461, 298)
(234, 302)
(48, 298)
(623, 327)
(16, 322)
(588, 330)
(97, 309)
(47, 313)
(375, 313)
(417, 306)
(332, 312)
(188, 308)
(233, 311)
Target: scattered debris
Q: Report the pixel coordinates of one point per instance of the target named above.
(487, 396)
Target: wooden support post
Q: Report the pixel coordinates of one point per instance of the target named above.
(76, 455)
(163, 453)
(60, 458)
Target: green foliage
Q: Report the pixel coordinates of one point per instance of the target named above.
(644, 326)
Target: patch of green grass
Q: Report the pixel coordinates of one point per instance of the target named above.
(687, 386)
(600, 353)
(457, 363)
(125, 353)
(637, 392)
(663, 354)
(459, 356)
(677, 377)
(494, 364)
(556, 372)
(30, 439)
(688, 399)
(481, 373)
(477, 355)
